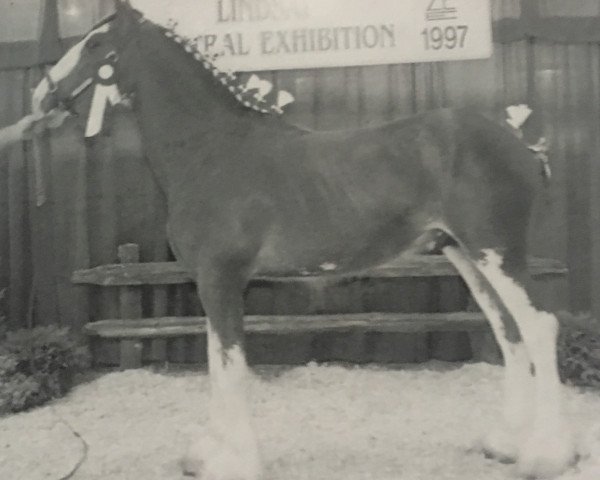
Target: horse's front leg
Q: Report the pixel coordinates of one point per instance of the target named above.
(228, 449)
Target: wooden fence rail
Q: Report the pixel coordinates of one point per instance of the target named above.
(134, 339)
(165, 273)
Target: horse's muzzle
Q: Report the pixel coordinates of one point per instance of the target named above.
(43, 99)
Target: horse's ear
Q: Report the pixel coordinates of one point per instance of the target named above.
(121, 4)
(126, 16)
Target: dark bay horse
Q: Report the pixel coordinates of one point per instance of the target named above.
(249, 193)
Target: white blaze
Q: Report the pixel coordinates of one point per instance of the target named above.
(63, 68)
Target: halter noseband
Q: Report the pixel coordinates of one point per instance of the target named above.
(66, 103)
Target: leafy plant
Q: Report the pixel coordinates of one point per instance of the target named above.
(37, 365)
(579, 350)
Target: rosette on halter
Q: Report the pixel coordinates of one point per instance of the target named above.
(105, 92)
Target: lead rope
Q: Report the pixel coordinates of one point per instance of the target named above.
(40, 200)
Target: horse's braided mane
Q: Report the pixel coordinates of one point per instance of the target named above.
(246, 94)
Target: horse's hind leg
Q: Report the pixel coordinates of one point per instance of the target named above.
(548, 449)
(504, 440)
(527, 336)
(228, 449)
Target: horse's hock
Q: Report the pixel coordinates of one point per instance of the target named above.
(409, 310)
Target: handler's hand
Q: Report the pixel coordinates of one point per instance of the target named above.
(25, 126)
(37, 122)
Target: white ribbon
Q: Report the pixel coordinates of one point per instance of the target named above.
(283, 98)
(517, 115)
(103, 94)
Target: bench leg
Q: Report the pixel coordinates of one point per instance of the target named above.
(131, 354)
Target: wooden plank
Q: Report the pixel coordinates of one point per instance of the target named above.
(166, 273)
(484, 347)
(401, 78)
(102, 218)
(270, 349)
(19, 252)
(302, 85)
(178, 350)
(429, 86)
(595, 191)
(160, 252)
(158, 350)
(131, 354)
(41, 224)
(397, 295)
(130, 298)
(392, 347)
(330, 97)
(375, 94)
(68, 184)
(176, 347)
(196, 349)
(338, 346)
(579, 121)
(283, 324)
(452, 346)
(549, 231)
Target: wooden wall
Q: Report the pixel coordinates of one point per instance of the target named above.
(67, 204)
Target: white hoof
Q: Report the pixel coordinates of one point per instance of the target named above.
(210, 458)
(501, 444)
(546, 456)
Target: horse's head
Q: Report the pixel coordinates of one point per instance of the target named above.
(98, 59)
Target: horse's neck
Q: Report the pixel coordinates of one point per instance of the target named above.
(181, 109)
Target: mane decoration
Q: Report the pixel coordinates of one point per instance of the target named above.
(517, 115)
(253, 93)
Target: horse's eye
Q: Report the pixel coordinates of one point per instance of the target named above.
(92, 44)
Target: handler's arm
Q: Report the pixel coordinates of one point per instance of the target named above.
(15, 133)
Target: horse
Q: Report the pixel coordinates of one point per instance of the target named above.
(249, 193)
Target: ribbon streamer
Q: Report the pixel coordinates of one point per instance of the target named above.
(103, 94)
(517, 115)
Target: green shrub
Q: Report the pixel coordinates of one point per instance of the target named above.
(579, 350)
(37, 365)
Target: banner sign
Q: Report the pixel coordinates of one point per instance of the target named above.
(285, 34)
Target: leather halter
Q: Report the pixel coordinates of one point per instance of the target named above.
(67, 103)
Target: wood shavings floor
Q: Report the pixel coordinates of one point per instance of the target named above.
(315, 423)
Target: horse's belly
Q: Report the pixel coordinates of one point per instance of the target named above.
(335, 252)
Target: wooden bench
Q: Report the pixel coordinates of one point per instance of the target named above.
(131, 329)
